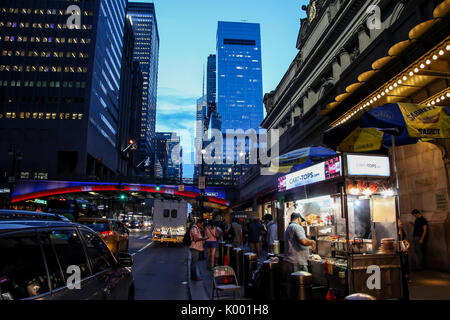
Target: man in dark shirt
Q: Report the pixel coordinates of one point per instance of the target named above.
(419, 239)
(255, 229)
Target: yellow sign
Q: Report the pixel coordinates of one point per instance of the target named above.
(425, 121)
(362, 140)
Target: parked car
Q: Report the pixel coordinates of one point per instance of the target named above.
(116, 238)
(41, 253)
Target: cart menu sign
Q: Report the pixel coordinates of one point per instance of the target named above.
(361, 165)
(330, 169)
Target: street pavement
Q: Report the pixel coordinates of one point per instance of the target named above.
(158, 270)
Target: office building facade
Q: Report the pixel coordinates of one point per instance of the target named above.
(59, 93)
(170, 155)
(143, 17)
(130, 103)
(238, 96)
(239, 75)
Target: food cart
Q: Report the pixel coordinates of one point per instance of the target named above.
(349, 207)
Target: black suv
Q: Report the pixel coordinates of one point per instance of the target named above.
(44, 256)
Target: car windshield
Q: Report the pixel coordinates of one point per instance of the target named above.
(97, 226)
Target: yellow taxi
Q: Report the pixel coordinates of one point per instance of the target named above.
(113, 232)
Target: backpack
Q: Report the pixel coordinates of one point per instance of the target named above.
(187, 237)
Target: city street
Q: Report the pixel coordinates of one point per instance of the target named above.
(159, 270)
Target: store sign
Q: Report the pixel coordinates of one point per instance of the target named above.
(319, 172)
(358, 165)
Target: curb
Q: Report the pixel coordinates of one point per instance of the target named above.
(197, 290)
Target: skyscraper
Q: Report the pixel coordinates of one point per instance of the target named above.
(59, 92)
(130, 103)
(200, 121)
(143, 17)
(239, 75)
(170, 154)
(239, 96)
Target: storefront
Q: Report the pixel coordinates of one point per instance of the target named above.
(348, 204)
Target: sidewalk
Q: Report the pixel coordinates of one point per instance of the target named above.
(429, 285)
(202, 290)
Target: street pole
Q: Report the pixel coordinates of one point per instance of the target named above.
(12, 177)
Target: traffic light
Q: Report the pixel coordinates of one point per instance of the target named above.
(122, 197)
(158, 188)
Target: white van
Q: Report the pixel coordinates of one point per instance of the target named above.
(169, 220)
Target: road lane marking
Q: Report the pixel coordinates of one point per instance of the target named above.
(143, 248)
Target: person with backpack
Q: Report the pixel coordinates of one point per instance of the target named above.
(211, 244)
(196, 246)
(234, 233)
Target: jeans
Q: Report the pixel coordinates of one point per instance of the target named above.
(195, 255)
(419, 253)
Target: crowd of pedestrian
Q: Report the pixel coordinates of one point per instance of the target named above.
(254, 234)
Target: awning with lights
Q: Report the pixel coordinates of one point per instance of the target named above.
(425, 81)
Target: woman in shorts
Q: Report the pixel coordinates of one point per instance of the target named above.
(211, 244)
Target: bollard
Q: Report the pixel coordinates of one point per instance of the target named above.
(271, 279)
(236, 263)
(301, 285)
(250, 265)
(241, 267)
(221, 252)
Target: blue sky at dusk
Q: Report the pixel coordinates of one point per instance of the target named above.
(187, 31)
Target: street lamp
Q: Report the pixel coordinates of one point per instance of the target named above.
(241, 154)
(230, 172)
(203, 152)
(131, 143)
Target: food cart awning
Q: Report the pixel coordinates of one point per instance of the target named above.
(430, 70)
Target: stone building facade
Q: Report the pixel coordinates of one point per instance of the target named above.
(345, 56)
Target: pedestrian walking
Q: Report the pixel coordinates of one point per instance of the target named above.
(420, 235)
(196, 247)
(296, 249)
(272, 231)
(255, 230)
(211, 244)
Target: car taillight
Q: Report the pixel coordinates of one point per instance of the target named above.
(108, 233)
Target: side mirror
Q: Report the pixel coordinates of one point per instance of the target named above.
(124, 259)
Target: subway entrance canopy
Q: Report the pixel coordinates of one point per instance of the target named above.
(32, 189)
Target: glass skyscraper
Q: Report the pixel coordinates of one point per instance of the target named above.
(146, 52)
(239, 75)
(61, 85)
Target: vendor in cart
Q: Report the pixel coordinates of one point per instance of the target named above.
(296, 252)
